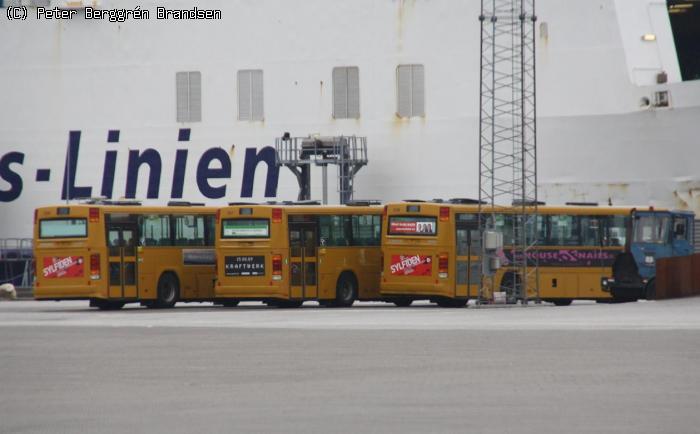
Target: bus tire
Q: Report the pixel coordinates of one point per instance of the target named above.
(230, 303)
(402, 302)
(345, 290)
(107, 304)
(452, 302)
(168, 291)
(562, 301)
(650, 290)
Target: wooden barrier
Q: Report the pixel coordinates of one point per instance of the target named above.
(678, 277)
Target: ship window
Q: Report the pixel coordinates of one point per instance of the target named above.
(410, 85)
(685, 23)
(250, 95)
(661, 99)
(346, 92)
(189, 96)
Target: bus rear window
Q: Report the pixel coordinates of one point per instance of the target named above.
(412, 225)
(245, 228)
(63, 228)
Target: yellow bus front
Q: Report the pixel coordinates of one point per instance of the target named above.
(69, 253)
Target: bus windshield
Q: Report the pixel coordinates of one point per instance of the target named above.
(651, 229)
(245, 228)
(63, 228)
(412, 225)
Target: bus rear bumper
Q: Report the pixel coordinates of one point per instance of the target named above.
(415, 290)
(250, 292)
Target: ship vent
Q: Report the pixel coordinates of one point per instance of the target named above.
(661, 77)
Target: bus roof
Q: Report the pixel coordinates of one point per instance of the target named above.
(311, 209)
(588, 209)
(131, 209)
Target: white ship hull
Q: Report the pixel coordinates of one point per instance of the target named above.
(595, 140)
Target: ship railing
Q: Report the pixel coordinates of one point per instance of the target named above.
(17, 262)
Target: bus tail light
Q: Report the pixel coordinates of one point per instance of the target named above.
(443, 264)
(276, 215)
(386, 211)
(95, 266)
(276, 267)
(36, 215)
(444, 213)
(218, 216)
(94, 215)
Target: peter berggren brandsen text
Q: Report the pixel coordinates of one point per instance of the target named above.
(122, 15)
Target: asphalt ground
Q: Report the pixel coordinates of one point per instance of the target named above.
(632, 368)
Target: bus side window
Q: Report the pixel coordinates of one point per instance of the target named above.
(366, 230)
(155, 230)
(189, 230)
(590, 231)
(504, 224)
(615, 231)
(336, 230)
(563, 230)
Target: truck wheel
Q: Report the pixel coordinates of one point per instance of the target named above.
(650, 290)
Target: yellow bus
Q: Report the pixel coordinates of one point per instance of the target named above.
(113, 253)
(285, 254)
(432, 251)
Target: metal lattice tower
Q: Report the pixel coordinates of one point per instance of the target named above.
(507, 141)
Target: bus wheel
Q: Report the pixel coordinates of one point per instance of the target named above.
(562, 301)
(650, 290)
(168, 291)
(452, 302)
(345, 291)
(107, 305)
(402, 302)
(230, 303)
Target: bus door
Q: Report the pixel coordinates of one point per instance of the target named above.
(468, 253)
(122, 239)
(303, 234)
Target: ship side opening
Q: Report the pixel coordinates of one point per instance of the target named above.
(685, 23)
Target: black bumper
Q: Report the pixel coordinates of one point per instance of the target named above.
(628, 291)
